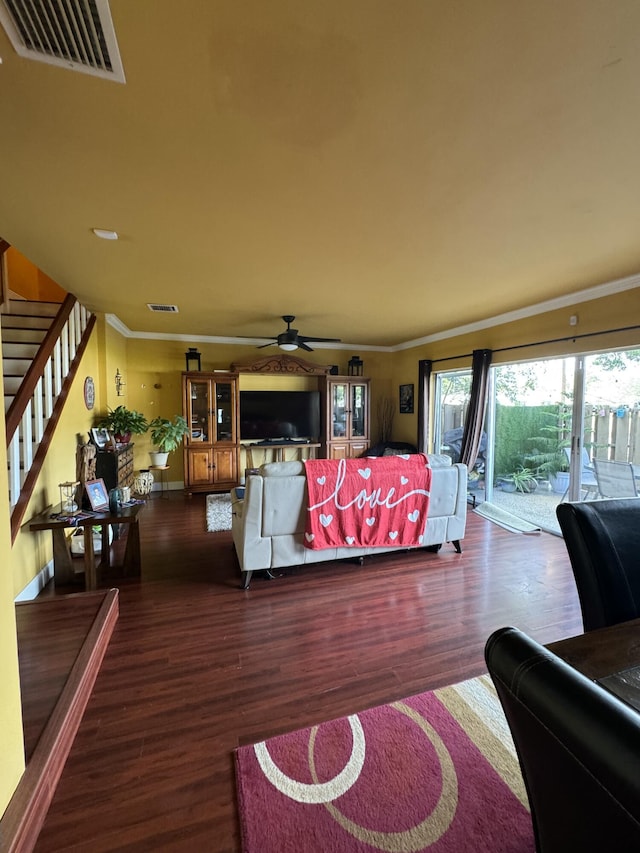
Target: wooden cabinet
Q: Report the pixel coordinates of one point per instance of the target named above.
(115, 467)
(211, 449)
(346, 408)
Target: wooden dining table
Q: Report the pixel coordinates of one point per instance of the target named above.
(603, 653)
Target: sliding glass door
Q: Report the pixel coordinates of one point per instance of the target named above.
(547, 421)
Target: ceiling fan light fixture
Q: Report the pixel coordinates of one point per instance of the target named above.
(288, 347)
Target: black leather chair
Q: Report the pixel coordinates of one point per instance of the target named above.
(578, 746)
(603, 541)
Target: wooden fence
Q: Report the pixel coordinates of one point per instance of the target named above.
(608, 433)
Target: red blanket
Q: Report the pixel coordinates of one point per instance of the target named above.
(377, 501)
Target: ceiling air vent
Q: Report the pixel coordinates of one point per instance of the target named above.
(163, 309)
(76, 34)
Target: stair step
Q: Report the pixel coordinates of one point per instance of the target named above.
(11, 384)
(27, 336)
(24, 321)
(17, 349)
(28, 307)
(15, 366)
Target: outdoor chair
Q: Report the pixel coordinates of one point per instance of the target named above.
(603, 542)
(588, 480)
(615, 479)
(578, 747)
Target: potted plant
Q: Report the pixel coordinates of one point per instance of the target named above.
(123, 423)
(521, 480)
(166, 435)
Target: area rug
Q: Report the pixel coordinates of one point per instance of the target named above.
(505, 519)
(218, 512)
(436, 772)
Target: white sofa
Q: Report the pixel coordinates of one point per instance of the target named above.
(268, 520)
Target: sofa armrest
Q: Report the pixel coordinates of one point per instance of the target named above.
(253, 551)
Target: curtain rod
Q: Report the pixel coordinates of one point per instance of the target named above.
(541, 343)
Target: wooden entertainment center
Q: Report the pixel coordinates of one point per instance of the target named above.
(211, 407)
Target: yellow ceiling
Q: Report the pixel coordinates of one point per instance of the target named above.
(383, 170)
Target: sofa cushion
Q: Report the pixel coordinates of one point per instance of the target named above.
(282, 469)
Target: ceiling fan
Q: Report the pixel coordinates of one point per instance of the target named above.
(290, 340)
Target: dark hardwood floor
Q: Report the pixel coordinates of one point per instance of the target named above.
(196, 666)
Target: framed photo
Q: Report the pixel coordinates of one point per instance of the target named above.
(100, 438)
(97, 492)
(406, 399)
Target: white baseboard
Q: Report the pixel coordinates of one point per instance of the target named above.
(34, 588)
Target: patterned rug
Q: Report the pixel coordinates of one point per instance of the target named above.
(218, 512)
(436, 772)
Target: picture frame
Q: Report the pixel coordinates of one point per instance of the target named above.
(406, 399)
(97, 494)
(100, 438)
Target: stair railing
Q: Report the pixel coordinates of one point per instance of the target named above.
(35, 410)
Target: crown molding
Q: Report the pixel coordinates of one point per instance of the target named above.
(566, 301)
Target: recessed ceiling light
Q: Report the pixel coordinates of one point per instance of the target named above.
(104, 234)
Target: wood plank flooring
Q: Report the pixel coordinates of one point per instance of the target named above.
(197, 666)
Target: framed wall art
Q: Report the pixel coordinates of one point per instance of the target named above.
(406, 399)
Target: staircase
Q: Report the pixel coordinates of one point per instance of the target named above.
(42, 345)
(24, 326)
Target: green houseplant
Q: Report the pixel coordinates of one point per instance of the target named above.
(124, 423)
(166, 435)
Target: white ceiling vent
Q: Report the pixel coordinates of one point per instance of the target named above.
(163, 309)
(76, 34)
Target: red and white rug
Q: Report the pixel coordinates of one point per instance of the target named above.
(436, 772)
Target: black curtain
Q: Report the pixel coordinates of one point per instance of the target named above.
(424, 384)
(477, 407)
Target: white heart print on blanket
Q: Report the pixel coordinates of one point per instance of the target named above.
(325, 520)
(414, 516)
(365, 473)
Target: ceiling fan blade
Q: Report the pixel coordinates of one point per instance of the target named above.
(262, 346)
(302, 345)
(319, 340)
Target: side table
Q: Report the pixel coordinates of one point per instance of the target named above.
(164, 486)
(55, 520)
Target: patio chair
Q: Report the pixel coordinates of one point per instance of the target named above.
(615, 479)
(588, 480)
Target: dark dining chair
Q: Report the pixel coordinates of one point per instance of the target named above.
(603, 542)
(578, 747)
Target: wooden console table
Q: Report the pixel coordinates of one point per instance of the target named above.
(62, 559)
(279, 450)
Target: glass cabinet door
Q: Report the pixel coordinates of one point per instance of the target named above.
(224, 411)
(339, 410)
(200, 407)
(358, 411)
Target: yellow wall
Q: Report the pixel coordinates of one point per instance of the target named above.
(28, 281)
(620, 310)
(11, 741)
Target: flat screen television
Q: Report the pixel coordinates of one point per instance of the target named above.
(279, 415)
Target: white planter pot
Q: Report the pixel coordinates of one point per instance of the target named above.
(158, 458)
(560, 482)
